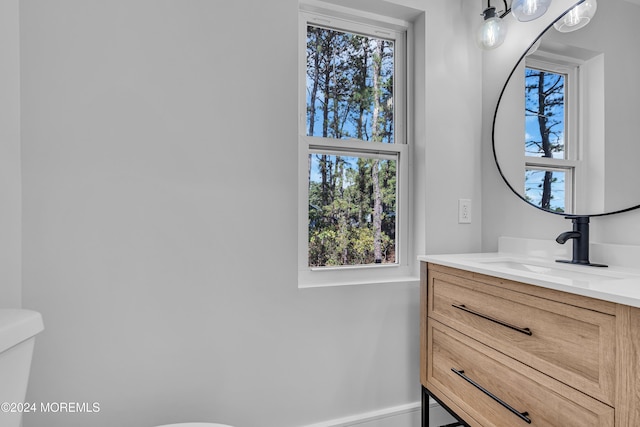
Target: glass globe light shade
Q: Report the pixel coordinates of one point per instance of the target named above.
(534, 47)
(577, 17)
(528, 10)
(491, 33)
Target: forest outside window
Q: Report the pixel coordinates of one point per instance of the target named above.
(353, 163)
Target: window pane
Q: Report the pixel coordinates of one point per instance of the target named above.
(352, 210)
(544, 114)
(546, 188)
(349, 86)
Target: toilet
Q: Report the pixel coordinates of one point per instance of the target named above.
(195, 425)
(18, 329)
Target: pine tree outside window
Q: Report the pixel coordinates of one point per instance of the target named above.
(353, 150)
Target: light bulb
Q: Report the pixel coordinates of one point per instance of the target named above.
(492, 32)
(528, 10)
(529, 7)
(577, 17)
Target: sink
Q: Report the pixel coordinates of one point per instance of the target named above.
(571, 272)
(618, 284)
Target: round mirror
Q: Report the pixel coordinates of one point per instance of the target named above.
(567, 124)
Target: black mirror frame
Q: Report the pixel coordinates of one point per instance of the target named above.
(493, 131)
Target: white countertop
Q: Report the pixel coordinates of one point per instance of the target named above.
(615, 284)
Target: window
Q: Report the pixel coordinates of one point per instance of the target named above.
(354, 166)
(550, 148)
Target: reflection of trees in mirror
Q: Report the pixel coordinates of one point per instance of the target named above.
(352, 197)
(545, 104)
(546, 189)
(544, 137)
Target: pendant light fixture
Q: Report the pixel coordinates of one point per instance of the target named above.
(577, 17)
(493, 30)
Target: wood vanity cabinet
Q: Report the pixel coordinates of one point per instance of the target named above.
(502, 353)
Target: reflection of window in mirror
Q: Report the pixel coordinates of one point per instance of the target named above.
(551, 149)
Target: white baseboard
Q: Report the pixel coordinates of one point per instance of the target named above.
(408, 411)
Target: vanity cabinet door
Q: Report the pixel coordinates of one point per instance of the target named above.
(493, 390)
(572, 344)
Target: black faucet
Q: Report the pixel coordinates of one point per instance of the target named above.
(580, 236)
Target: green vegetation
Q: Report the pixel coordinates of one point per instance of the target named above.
(352, 195)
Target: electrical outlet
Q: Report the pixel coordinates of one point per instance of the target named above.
(464, 211)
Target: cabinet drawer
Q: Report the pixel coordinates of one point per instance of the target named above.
(497, 391)
(572, 344)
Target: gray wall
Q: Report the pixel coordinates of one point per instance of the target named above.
(166, 279)
(10, 190)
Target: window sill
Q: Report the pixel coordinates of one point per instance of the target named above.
(376, 274)
(392, 280)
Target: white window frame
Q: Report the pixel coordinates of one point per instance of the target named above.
(349, 20)
(571, 164)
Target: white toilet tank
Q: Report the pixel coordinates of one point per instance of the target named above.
(17, 334)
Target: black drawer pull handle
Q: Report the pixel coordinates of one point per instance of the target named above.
(462, 307)
(524, 416)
